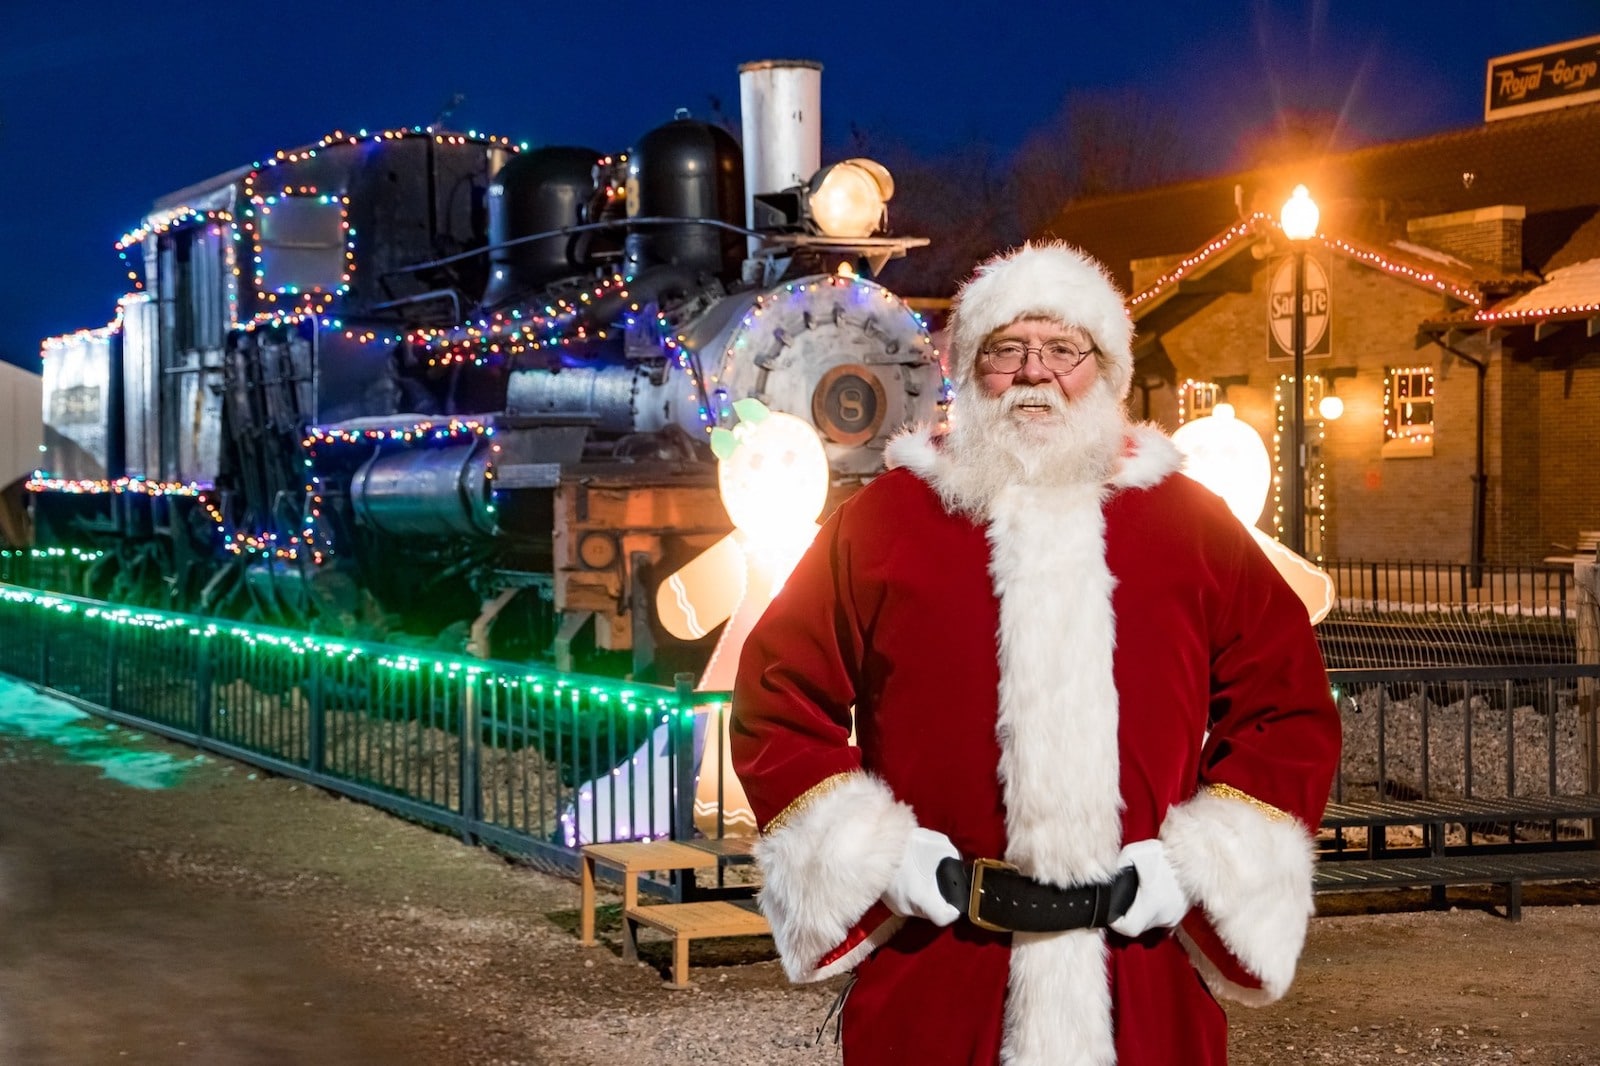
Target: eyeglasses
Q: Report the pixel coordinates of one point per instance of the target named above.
(1008, 357)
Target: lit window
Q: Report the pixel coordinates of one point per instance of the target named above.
(1197, 399)
(1408, 405)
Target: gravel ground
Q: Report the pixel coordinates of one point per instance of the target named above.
(235, 918)
(1533, 736)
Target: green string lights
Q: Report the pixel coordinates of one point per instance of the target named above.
(584, 693)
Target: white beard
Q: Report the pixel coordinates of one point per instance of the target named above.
(992, 446)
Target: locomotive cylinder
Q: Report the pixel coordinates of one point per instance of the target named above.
(446, 492)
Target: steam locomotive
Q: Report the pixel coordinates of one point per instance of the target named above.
(449, 385)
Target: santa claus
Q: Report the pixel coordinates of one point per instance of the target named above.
(1093, 726)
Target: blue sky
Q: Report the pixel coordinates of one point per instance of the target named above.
(106, 106)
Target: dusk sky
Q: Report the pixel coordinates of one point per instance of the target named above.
(106, 106)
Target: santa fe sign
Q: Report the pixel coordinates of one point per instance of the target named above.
(1280, 309)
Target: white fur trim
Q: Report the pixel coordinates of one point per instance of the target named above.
(1052, 280)
(828, 864)
(1058, 1004)
(850, 959)
(1058, 756)
(1252, 874)
(1151, 457)
(913, 448)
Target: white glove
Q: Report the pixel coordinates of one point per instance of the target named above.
(914, 892)
(1161, 902)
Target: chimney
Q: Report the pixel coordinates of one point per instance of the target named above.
(1489, 236)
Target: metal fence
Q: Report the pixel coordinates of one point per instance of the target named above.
(527, 760)
(536, 763)
(1401, 586)
(1466, 733)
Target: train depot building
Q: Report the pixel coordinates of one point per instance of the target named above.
(1451, 308)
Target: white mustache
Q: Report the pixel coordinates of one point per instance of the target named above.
(1033, 396)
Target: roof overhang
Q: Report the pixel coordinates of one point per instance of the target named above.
(1218, 267)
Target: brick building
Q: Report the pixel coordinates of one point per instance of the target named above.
(1451, 303)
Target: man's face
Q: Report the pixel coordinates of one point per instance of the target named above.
(1051, 354)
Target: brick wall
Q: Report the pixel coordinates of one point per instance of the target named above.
(1569, 461)
(1514, 443)
(1377, 507)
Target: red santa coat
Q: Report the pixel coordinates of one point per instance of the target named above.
(1093, 665)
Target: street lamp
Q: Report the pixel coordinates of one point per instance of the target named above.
(1299, 221)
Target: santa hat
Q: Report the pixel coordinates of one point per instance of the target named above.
(1054, 281)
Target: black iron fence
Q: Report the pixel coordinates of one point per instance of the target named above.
(1467, 732)
(528, 760)
(1402, 587)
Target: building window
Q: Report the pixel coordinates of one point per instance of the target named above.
(1197, 399)
(1408, 412)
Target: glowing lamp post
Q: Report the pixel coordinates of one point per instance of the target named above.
(1299, 219)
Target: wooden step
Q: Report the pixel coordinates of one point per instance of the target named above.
(686, 922)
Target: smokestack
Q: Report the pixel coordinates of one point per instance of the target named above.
(780, 110)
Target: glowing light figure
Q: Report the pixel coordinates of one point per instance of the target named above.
(1227, 457)
(773, 476)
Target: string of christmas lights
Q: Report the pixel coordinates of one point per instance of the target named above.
(1535, 314)
(1261, 221)
(41, 482)
(1398, 385)
(1246, 228)
(581, 693)
(1313, 424)
(79, 336)
(454, 429)
(513, 333)
(80, 554)
(312, 299)
(1196, 399)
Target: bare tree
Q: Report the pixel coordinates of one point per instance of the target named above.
(1095, 144)
(972, 201)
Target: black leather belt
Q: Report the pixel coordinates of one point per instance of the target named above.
(996, 895)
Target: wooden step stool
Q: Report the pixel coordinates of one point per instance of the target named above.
(694, 921)
(631, 859)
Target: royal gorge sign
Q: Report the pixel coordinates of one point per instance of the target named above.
(1545, 78)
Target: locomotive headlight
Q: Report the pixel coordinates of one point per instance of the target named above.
(847, 198)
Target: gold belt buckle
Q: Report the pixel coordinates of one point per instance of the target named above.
(975, 896)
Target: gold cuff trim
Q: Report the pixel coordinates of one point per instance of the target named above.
(806, 799)
(1229, 792)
